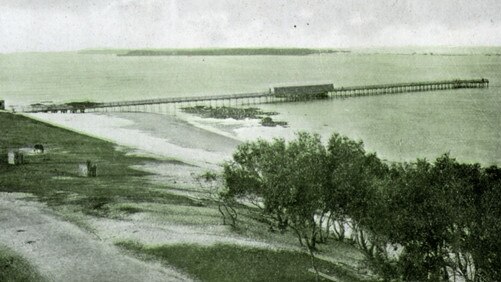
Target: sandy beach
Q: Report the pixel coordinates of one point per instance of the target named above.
(151, 134)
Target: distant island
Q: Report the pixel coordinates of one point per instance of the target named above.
(270, 51)
(231, 52)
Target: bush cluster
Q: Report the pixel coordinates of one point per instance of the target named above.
(418, 221)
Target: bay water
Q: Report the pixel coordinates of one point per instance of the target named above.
(401, 127)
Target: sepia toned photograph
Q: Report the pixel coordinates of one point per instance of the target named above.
(253, 140)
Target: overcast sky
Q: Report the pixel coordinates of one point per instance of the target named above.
(51, 25)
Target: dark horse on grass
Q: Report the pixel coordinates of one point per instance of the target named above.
(38, 148)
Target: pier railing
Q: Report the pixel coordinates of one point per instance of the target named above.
(268, 96)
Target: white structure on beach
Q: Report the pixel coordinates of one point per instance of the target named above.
(15, 157)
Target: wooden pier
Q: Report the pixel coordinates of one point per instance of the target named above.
(409, 87)
(273, 95)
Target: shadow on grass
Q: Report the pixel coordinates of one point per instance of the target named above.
(223, 262)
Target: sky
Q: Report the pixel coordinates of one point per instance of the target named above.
(62, 25)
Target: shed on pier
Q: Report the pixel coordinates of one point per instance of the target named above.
(303, 91)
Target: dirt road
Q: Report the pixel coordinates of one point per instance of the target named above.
(63, 252)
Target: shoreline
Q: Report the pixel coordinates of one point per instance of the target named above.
(183, 147)
(150, 134)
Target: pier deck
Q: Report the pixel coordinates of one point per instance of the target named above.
(267, 96)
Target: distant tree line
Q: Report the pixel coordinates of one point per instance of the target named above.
(419, 221)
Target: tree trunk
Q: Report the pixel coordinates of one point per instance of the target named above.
(299, 236)
(313, 264)
(328, 227)
(219, 207)
(320, 231)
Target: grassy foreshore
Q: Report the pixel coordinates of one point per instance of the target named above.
(119, 192)
(53, 176)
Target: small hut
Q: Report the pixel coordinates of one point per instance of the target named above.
(87, 170)
(15, 157)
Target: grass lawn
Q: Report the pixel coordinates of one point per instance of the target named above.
(15, 268)
(235, 263)
(53, 176)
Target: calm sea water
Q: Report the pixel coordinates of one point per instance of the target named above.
(466, 123)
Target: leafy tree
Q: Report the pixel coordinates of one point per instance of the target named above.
(433, 216)
(353, 197)
(288, 179)
(307, 161)
(485, 242)
(258, 174)
(420, 220)
(417, 221)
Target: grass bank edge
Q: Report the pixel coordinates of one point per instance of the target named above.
(14, 267)
(227, 262)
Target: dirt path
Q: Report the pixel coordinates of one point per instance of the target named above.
(63, 252)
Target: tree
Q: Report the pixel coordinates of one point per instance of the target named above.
(353, 197)
(258, 175)
(432, 216)
(419, 221)
(288, 179)
(485, 243)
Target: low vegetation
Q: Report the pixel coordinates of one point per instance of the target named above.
(15, 268)
(419, 221)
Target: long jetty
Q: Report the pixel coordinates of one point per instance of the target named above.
(410, 87)
(276, 94)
